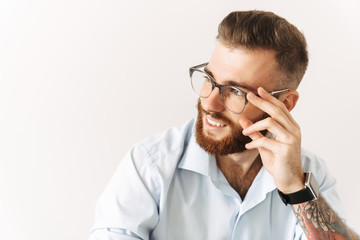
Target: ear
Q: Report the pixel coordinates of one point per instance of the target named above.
(290, 99)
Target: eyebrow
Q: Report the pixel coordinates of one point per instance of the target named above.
(230, 82)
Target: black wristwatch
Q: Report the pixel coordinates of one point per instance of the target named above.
(310, 192)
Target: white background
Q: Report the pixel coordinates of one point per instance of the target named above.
(81, 81)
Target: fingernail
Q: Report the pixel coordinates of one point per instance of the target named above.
(251, 95)
(261, 89)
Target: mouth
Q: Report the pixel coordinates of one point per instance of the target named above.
(214, 123)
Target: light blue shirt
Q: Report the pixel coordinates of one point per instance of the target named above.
(167, 187)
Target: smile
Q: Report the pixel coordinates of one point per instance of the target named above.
(214, 123)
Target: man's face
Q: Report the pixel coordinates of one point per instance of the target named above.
(217, 130)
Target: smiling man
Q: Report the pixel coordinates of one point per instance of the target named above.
(236, 171)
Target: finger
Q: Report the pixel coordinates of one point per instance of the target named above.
(245, 123)
(274, 111)
(268, 97)
(271, 125)
(265, 143)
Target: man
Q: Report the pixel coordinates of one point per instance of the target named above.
(228, 173)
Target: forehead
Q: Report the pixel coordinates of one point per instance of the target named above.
(248, 68)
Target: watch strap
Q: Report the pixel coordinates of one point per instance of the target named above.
(309, 193)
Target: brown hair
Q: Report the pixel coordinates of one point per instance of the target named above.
(266, 30)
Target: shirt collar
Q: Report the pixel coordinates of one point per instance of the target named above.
(195, 158)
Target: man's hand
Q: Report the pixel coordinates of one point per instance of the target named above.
(281, 155)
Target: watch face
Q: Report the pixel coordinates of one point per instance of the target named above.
(311, 183)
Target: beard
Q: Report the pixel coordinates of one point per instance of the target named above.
(234, 142)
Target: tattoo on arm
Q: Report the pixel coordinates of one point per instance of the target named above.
(301, 220)
(319, 221)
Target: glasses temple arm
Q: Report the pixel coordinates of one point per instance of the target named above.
(280, 91)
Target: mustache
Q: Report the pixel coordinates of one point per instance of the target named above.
(215, 115)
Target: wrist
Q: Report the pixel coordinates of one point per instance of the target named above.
(308, 193)
(293, 188)
(295, 185)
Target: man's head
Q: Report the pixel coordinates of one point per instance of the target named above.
(255, 49)
(265, 30)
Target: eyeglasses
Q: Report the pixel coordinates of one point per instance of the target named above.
(232, 97)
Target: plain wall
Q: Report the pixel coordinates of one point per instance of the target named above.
(82, 81)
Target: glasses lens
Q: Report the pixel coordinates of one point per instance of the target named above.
(201, 84)
(233, 99)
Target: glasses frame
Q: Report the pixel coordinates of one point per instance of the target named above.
(220, 87)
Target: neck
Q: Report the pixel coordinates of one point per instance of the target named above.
(241, 161)
(240, 169)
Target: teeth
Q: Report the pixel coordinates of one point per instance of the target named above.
(215, 123)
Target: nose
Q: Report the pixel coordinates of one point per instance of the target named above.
(213, 102)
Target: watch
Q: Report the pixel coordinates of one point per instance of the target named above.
(310, 192)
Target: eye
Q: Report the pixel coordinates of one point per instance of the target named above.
(236, 92)
(206, 78)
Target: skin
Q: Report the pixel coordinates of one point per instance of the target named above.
(256, 71)
(252, 70)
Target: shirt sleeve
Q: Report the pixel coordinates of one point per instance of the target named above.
(112, 234)
(299, 233)
(128, 207)
(328, 187)
(327, 184)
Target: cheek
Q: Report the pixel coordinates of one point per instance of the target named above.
(201, 102)
(235, 119)
(252, 113)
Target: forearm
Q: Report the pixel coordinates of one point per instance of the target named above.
(319, 221)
